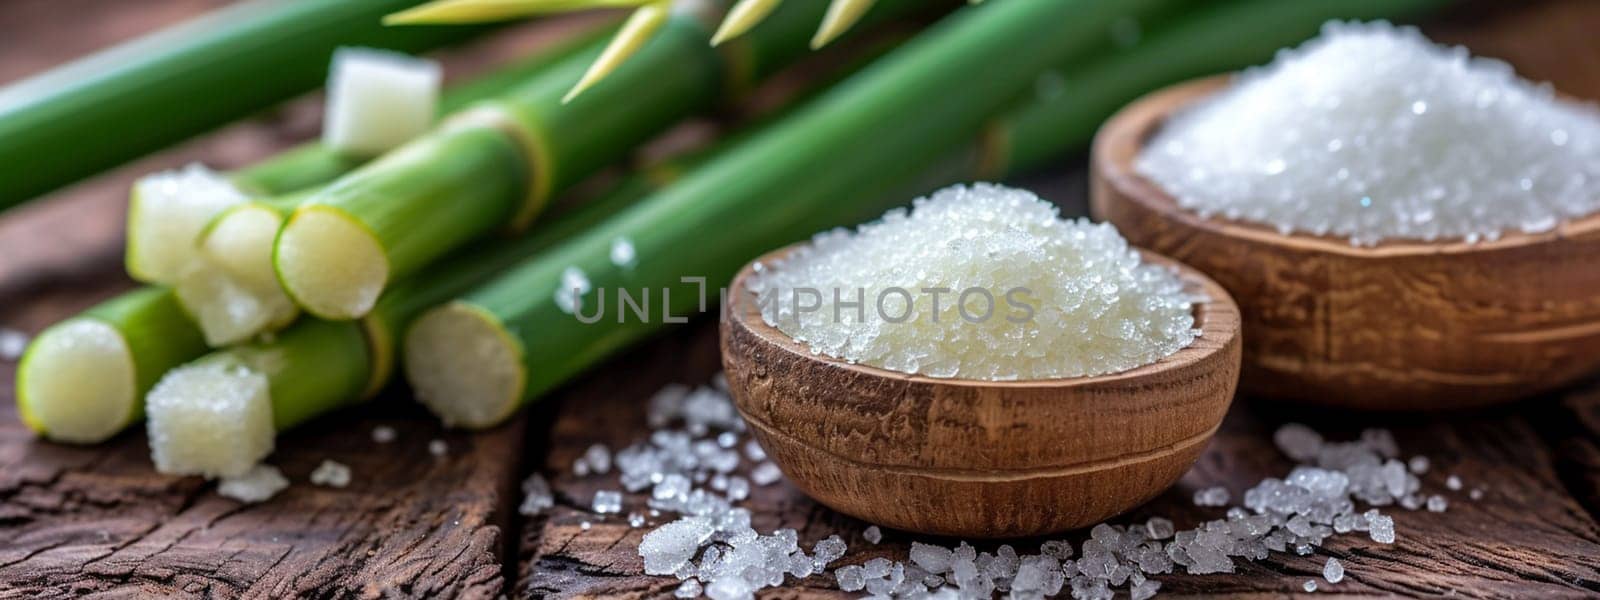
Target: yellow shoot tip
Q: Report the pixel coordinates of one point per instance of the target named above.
(840, 16)
(634, 33)
(742, 17)
(446, 12)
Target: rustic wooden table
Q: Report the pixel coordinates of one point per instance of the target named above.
(79, 520)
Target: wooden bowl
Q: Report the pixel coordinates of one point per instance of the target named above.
(1397, 326)
(979, 458)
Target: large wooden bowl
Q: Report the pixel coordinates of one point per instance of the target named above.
(1398, 326)
(980, 458)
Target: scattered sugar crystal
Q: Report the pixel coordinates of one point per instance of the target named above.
(754, 451)
(850, 578)
(1333, 571)
(1109, 311)
(623, 253)
(585, 525)
(738, 488)
(1060, 549)
(830, 549)
(574, 285)
(331, 474)
(383, 434)
(1310, 585)
(635, 520)
(536, 495)
(689, 589)
(598, 457)
(1298, 441)
(672, 545)
(1211, 496)
(1159, 528)
(872, 534)
(438, 448)
(12, 344)
(607, 502)
(765, 474)
(1476, 494)
(1145, 590)
(1453, 482)
(934, 559)
(1437, 503)
(1381, 529)
(580, 466)
(258, 484)
(1371, 132)
(1418, 464)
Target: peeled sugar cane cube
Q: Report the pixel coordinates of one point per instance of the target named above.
(378, 100)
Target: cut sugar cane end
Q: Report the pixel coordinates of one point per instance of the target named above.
(76, 383)
(329, 264)
(378, 100)
(227, 310)
(463, 366)
(166, 213)
(231, 290)
(210, 418)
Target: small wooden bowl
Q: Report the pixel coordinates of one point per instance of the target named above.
(1397, 326)
(979, 458)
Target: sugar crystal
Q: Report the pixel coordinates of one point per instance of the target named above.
(258, 484)
(1091, 306)
(1370, 132)
(536, 496)
(607, 502)
(765, 474)
(331, 474)
(383, 434)
(872, 534)
(1333, 571)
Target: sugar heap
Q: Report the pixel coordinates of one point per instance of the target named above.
(714, 551)
(1371, 132)
(1025, 294)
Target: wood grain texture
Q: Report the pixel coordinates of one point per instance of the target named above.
(1397, 326)
(967, 458)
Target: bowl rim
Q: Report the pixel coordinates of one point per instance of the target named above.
(1125, 135)
(1217, 317)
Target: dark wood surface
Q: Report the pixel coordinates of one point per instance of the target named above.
(79, 520)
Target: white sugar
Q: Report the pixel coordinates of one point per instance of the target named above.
(978, 282)
(383, 434)
(1211, 496)
(258, 484)
(569, 295)
(1310, 585)
(331, 474)
(1333, 571)
(766, 474)
(536, 496)
(438, 448)
(598, 458)
(607, 502)
(1371, 132)
(623, 253)
(872, 534)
